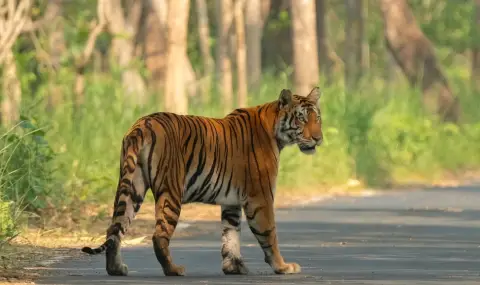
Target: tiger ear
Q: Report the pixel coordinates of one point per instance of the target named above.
(285, 98)
(314, 95)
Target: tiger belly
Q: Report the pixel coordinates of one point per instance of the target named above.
(214, 191)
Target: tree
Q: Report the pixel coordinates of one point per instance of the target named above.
(305, 55)
(56, 48)
(124, 28)
(224, 9)
(476, 48)
(155, 42)
(155, 53)
(390, 70)
(83, 59)
(241, 54)
(204, 39)
(175, 92)
(14, 17)
(322, 38)
(255, 15)
(415, 55)
(353, 42)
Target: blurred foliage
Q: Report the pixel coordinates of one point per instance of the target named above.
(446, 23)
(7, 222)
(25, 169)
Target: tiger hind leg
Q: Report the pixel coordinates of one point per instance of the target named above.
(232, 260)
(167, 214)
(128, 200)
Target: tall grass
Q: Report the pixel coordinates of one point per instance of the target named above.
(25, 175)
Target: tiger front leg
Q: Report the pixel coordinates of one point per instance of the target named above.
(232, 261)
(261, 220)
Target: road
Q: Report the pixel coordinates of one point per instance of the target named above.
(429, 236)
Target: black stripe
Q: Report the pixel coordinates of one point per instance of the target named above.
(265, 233)
(201, 161)
(148, 125)
(254, 213)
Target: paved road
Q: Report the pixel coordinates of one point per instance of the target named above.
(407, 237)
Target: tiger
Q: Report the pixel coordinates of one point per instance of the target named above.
(231, 161)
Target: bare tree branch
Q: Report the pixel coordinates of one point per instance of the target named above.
(51, 12)
(14, 15)
(84, 58)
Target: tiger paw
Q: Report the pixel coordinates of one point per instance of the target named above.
(174, 270)
(121, 270)
(232, 266)
(288, 268)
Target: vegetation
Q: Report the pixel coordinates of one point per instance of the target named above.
(62, 154)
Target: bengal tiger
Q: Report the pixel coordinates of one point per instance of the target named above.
(232, 162)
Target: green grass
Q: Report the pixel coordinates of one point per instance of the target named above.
(372, 135)
(25, 175)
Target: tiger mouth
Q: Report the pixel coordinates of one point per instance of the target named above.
(306, 148)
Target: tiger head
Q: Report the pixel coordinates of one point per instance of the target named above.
(299, 120)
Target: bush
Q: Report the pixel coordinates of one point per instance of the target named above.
(25, 167)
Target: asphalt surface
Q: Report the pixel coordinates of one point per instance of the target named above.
(429, 236)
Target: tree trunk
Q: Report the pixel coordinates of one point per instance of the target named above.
(254, 32)
(156, 43)
(305, 54)
(476, 49)
(322, 39)
(265, 6)
(204, 39)
(390, 72)
(353, 43)
(178, 11)
(415, 55)
(155, 54)
(12, 92)
(82, 61)
(56, 46)
(14, 16)
(224, 64)
(241, 54)
(124, 30)
(365, 45)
